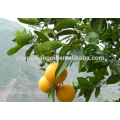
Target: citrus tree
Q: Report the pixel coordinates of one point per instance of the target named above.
(67, 37)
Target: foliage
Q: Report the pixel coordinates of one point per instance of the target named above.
(81, 37)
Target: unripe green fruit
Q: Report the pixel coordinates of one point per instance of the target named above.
(42, 64)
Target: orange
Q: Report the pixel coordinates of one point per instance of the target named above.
(44, 85)
(50, 74)
(65, 93)
(118, 65)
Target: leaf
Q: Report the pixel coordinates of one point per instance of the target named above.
(88, 95)
(65, 23)
(28, 52)
(43, 69)
(61, 66)
(98, 84)
(48, 46)
(54, 20)
(14, 49)
(92, 38)
(36, 44)
(117, 45)
(83, 83)
(78, 20)
(82, 91)
(99, 75)
(51, 35)
(29, 21)
(113, 79)
(23, 39)
(97, 92)
(113, 63)
(77, 51)
(94, 65)
(98, 25)
(103, 71)
(66, 37)
(41, 36)
(51, 95)
(93, 80)
(91, 49)
(46, 31)
(65, 32)
(64, 50)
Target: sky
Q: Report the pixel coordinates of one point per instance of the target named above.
(24, 25)
(15, 19)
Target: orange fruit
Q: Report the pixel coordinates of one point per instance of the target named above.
(44, 84)
(50, 74)
(118, 65)
(65, 93)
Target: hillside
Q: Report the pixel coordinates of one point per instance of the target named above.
(19, 79)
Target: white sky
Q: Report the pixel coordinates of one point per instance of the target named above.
(15, 19)
(24, 25)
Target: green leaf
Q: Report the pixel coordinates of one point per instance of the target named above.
(78, 20)
(93, 80)
(46, 31)
(42, 19)
(41, 36)
(42, 64)
(113, 63)
(36, 44)
(88, 95)
(83, 83)
(23, 39)
(98, 25)
(91, 49)
(65, 32)
(61, 66)
(103, 71)
(65, 23)
(54, 20)
(92, 38)
(51, 35)
(43, 69)
(97, 92)
(113, 79)
(66, 37)
(48, 46)
(14, 49)
(78, 51)
(94, 65)
(51, 95)
(64, 50)
(99, 75)
(82, 91)
(28, 52)
(29, 21)
(118, 45)
(98, 84)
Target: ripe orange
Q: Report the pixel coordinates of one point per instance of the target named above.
(65, 93)
(44, 85)
(50, 74)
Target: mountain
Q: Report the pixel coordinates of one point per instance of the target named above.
(19, 79)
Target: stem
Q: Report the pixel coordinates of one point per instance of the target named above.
(103, 83)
